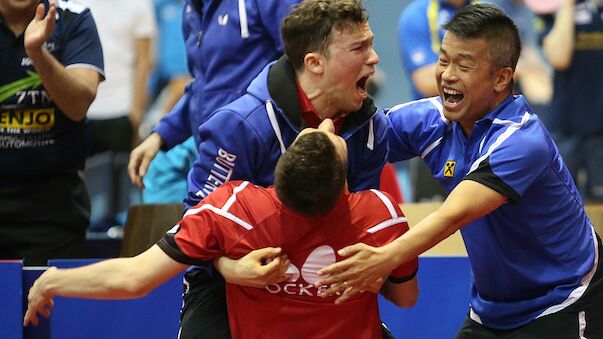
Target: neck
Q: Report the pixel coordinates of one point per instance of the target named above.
(319, 98)
(468, 125)
(17, 19)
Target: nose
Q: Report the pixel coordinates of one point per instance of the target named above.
(447, 73)
(373, 57)
(327, 126)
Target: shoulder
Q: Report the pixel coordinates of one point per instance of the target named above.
(381, 205)
(71, 13)
(424, 111)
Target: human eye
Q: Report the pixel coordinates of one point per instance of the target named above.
(442, 61)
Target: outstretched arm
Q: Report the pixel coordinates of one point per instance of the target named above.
(367, 264)
(74, 89)
(120, 278)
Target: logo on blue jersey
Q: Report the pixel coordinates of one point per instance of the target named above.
(449, 168)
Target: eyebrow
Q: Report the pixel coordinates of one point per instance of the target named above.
(461, 55)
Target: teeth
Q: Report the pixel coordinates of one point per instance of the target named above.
(451, 91)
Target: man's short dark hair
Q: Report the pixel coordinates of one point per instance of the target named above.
(490, 23)
(308, 28)
(310, 176)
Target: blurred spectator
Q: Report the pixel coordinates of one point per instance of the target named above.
(533, 72)
(51, 66)
(166, 178)
(126, 30)
(573, 43)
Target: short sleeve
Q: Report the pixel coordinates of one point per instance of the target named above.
(82, 44)
(146, 23)
(511, 163)
(200, 236)
(414, 39)
(392, 225)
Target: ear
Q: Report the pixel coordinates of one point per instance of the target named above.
(314, 63)
(504, 77)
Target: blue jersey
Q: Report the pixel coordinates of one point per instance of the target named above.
(420, 33)
(36, 138)
(244, 139)
(227, 45)
(535, 254)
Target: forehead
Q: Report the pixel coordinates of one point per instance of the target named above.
(455, 46)
(351, 32)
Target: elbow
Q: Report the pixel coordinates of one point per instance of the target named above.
(561, 64)
(77, 111)
(133, 288)
(406, 300)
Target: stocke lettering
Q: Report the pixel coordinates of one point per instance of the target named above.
(298, 289)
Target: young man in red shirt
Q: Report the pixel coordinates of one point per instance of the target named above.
(309, 214)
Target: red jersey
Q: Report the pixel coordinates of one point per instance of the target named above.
(239, 217)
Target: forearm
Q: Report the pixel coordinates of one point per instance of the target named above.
(110, 279)
(71, 93)
(423, 236)
(558, 45)
(175, 90)
(144, 65)
(402, 295)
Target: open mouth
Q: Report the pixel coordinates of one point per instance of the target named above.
(452, 96)
(361, 84)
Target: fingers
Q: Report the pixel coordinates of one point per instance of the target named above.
(40, 12)
(348, 293)
(133, 166)
(267, 252)
(349, 250)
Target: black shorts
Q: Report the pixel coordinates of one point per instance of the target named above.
(204, 313)
(583, 319)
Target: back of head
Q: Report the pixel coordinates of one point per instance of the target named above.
(488, 22)
(309, 177)
(307, 29)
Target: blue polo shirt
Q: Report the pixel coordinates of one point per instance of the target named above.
(532, 256)
(36, 138)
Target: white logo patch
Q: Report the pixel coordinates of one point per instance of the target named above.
(223, 19)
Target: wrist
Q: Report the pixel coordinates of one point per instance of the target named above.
(48, 285)
(34, 52)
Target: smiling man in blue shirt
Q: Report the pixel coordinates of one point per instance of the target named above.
(535, 255)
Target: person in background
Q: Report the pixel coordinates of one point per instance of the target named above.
(572, 42)
(127, 30)
(510, 195)
(308, 214)
(51, 66)
(166, 178)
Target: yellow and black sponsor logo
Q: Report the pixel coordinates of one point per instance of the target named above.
(27, 118)
(449, 168)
